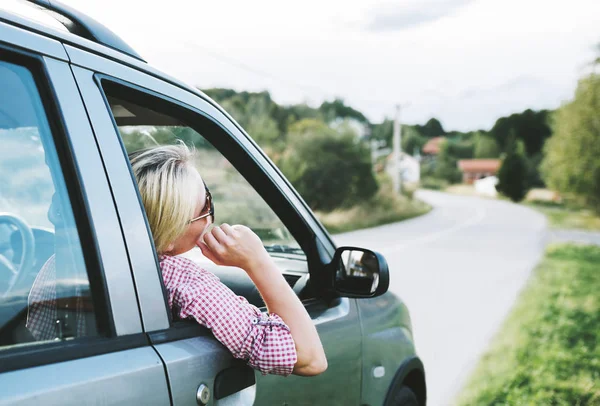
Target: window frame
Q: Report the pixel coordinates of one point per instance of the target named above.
(229, 147)
(223, 141)
(43, 353)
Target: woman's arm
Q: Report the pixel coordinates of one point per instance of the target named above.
(239, 246)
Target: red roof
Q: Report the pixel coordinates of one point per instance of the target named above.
(433, 146)
(479, 165)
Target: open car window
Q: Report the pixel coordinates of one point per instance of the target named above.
(236, 201)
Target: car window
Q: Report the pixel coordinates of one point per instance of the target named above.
(144, 122)
(44, 287)
(236, 201)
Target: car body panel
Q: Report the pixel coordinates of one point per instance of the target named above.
(121, 378)
(387, 342)
(195, 361)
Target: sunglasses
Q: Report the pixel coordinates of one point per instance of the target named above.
(207, 210)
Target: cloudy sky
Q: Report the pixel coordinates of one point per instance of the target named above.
(466, 62)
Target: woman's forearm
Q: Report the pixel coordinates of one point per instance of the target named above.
(238, 246)
(281, 299)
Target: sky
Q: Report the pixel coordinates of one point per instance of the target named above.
(465, 62)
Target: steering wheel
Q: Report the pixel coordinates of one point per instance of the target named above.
(18, 274)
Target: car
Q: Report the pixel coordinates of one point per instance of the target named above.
(74, 100)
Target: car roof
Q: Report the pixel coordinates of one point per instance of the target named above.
(98, 40)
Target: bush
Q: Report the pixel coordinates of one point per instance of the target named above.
(433, 183)
(329, 168)
(383, 208)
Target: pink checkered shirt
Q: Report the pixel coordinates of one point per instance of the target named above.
(263, 340)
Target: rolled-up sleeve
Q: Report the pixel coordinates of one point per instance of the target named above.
(263, 340)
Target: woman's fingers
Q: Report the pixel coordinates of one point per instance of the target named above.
(212, 243)
(227, 229)
(219, 234)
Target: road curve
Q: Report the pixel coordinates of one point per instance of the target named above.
(459, 269)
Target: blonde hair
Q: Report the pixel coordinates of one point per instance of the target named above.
(170, 187)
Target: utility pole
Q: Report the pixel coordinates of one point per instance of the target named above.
(396, 148)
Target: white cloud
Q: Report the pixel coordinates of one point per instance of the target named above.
(396, 16)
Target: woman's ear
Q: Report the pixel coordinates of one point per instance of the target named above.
(170, 247)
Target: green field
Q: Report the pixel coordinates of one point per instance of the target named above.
(548, 350)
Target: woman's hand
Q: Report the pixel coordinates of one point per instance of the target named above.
(234, 246)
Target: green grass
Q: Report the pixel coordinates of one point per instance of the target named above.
(383, 208)
(548, 349)
(564, 216)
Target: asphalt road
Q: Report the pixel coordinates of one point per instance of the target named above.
(459, 269)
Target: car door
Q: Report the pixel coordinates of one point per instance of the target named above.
(70, 329)
(126, 107)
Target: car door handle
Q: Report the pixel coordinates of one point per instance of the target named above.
(232, 380)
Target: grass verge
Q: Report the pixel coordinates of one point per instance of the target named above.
(563, 216)
(548, 349)
(383, 208)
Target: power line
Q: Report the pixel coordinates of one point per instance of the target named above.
(307, 88)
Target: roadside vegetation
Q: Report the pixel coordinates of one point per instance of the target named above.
(325, 154)
(383, 208)
(548, 350)
(567, 215)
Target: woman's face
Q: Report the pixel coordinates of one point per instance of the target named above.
(195, 229)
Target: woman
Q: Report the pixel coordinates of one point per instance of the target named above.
(180, 210)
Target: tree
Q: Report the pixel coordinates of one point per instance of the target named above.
(433, 128)
(513, 174)
(572, 156)
(330, 169)
(337, 109)
(411, 140)
(485, 147)
(446, 165)
(530, 126)
(259, 124)
(383, 131)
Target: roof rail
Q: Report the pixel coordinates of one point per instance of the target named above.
(85, 26)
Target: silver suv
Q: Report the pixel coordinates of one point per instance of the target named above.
(74, 100)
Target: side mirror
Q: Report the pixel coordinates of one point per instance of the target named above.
(360, 273)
